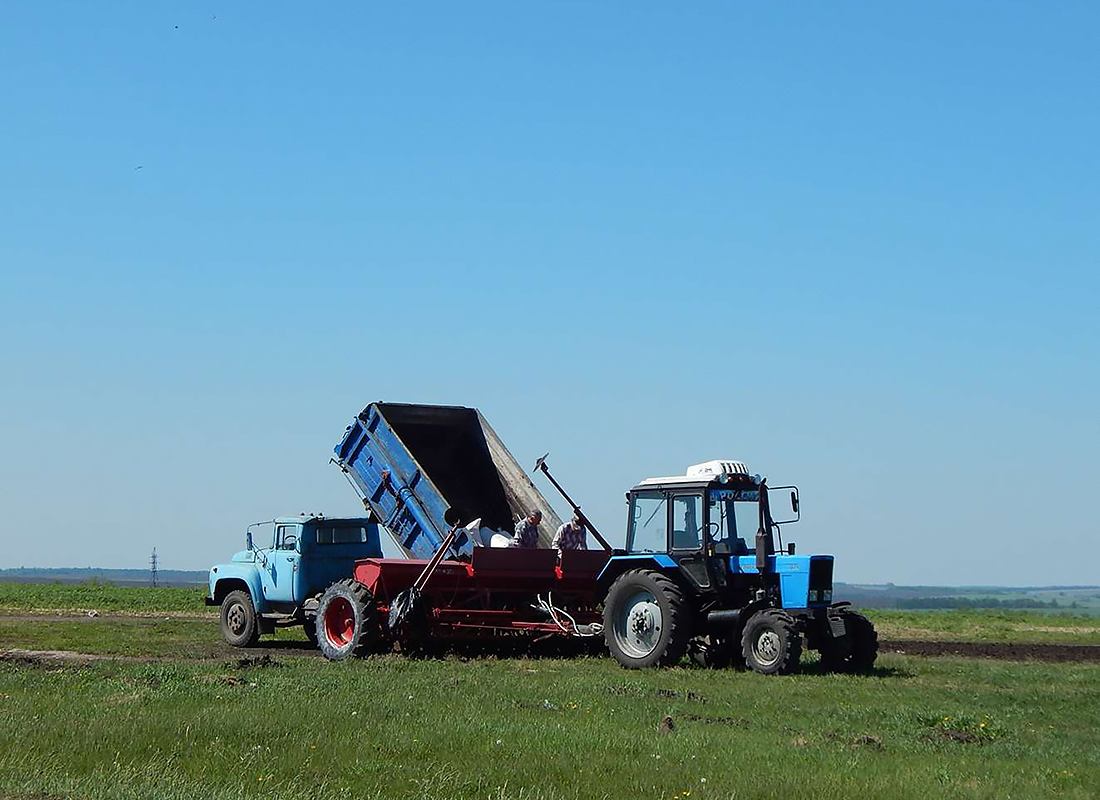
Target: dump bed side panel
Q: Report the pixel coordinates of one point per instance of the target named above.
(391, 484)
(421, 468)
(522, 494)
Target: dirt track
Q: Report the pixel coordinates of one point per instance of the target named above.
(1001, 650)
(1064, 653)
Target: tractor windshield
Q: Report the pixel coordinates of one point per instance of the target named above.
(733, 517)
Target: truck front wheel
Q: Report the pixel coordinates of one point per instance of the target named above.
(646, 621)
(345, 623)
(771, 643)
(240, 627)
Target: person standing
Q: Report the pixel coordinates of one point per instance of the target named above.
(571, 535)
(527, 531)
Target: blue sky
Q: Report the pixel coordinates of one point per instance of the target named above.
(855, 246)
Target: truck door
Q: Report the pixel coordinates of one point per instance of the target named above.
(686, 538)
(285, 572)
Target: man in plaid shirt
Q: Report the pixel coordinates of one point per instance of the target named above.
(571, 536)
(527, 531)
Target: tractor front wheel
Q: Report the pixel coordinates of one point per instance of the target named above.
(239, 624)
(646, 621)
(771, 643)
(346, 624)
(856, 651)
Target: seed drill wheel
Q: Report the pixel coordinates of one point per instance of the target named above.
(771, 642)
(346, 623)
(857, 650)
(646, 621)
(240, 627)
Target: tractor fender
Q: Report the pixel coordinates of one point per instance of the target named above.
(225, 578)
(658, 562)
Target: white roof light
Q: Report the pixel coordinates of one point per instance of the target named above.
(720, 469)
(717, 468)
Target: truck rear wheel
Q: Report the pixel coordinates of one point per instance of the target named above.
(646, 621)
(240, 627)
(771, 643)
(310, 627)
(346, 624)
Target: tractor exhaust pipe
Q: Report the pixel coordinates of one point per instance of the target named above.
(765, 544)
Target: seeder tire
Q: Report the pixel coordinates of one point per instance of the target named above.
(346, 624)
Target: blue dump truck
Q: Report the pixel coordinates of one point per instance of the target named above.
(286, 564)
(417, 468)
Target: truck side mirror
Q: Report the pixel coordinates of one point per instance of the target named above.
(248, 540)
(794, 501)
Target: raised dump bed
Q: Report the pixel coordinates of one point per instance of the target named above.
(421, 468)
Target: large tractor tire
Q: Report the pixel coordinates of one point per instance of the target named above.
(856, 651)
(346, 623)
(646, 621)
(240, 626)
(771, 642)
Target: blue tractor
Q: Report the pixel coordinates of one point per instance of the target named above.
(280, 583)
(701, 574)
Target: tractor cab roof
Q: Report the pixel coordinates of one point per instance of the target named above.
(718, 474)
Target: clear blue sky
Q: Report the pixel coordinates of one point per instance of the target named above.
(856, 246)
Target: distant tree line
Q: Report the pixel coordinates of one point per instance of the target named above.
(973, 602)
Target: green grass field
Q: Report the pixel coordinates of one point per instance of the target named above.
(197, 723)
(99, 596)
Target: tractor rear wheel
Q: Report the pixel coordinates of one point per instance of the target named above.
(239, 624)
(346, 623)
(646, 621)
(857, 650)
(771, 642)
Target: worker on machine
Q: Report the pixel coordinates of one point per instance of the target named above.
(572, 535)
(527, 530)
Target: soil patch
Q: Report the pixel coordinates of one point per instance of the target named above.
(1002, 650)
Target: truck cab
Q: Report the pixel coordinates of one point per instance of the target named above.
(287, 563)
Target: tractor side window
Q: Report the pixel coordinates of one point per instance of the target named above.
(687, 521)
(648, 525)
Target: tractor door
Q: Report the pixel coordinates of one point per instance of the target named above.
(686, 537)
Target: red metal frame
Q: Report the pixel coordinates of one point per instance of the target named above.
(495, 592)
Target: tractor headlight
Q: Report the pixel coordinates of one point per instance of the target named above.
(827, 596)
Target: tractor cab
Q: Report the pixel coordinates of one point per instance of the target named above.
(705, 571)
(701, 519)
